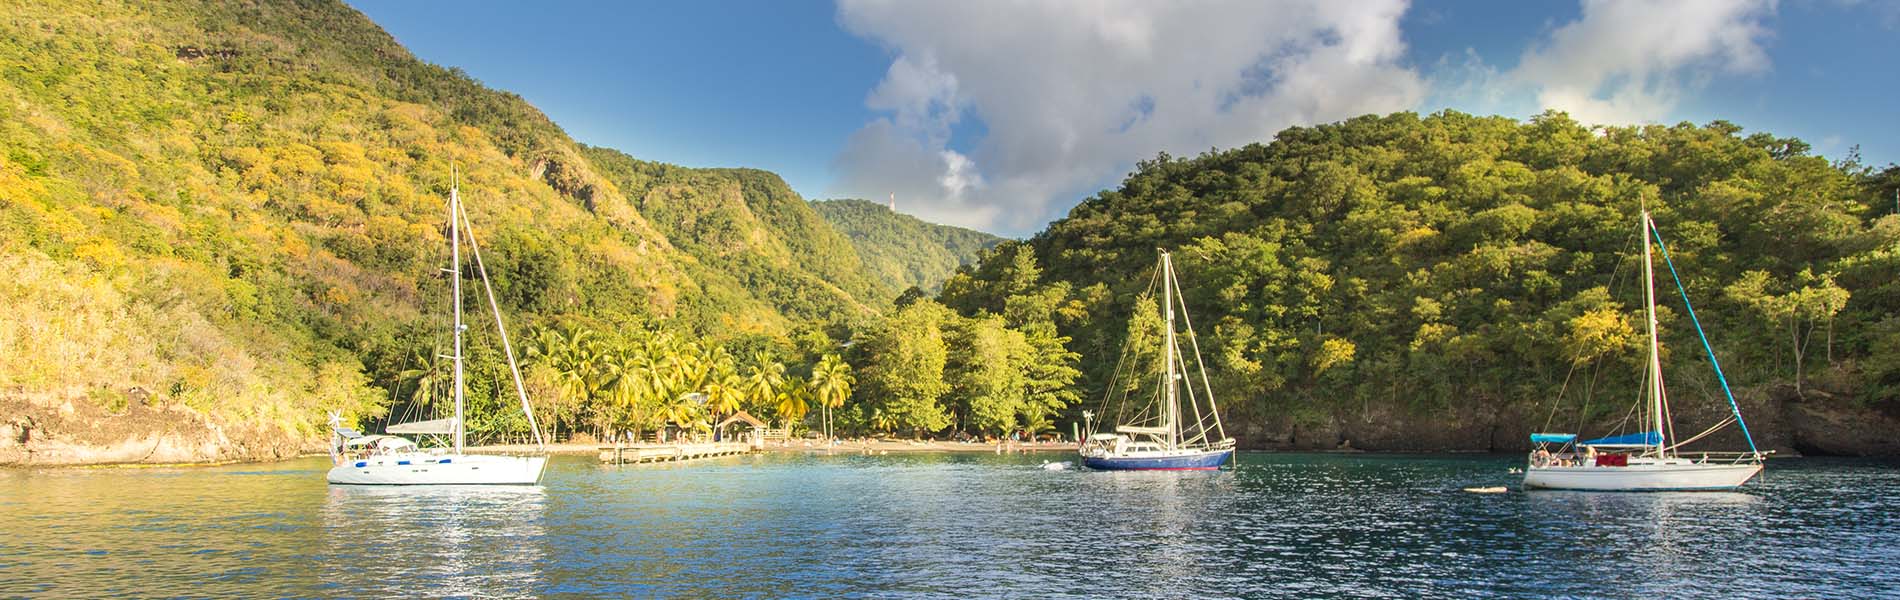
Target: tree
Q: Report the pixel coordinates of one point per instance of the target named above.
(1812, 298)
(910, 296)
(431, 377)
(831, 382)
(985, 373)
(580, 360)
(725, 390)
(904, 357)
(341, 388)
(762, 387)
(794, 400)
(1049, 372)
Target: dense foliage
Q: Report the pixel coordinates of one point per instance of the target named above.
(903, 251)
(1458, 263)
(238, 207)
(749, 225)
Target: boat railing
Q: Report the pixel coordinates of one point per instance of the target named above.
(1734, 458)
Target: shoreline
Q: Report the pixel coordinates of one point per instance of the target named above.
(874, 448)
(857, 446)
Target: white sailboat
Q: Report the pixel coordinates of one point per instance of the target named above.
(392, 460)
(1164, 438)
(1647, 460)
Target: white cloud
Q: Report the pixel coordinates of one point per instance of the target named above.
(1070, 93)
(1628, 61)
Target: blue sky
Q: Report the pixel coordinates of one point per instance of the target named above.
(1001, 116)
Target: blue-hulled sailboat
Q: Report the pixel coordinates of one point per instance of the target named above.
(1171, 432)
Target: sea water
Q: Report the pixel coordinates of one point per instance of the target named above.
(948, 525)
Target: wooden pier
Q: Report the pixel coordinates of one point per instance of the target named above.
(661, 453)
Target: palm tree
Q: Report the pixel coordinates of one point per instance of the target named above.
(430, 376)
(794, 400)
(724, 389)
(687, 368)
(683, 409)
(763, 385)
(628, 378)
(576, 359)
(831, 382)
(883, 420)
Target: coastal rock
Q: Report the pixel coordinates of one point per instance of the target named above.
(1820, 423)
(1790, 424)
(68, 429)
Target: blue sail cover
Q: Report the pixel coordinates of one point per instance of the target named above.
(1647, 438)
(1552, 438)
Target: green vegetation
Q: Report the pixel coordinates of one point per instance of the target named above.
(648, 380)
(903, 251)
(996, 366)
(238, 208)
(749, 227)
(1454, 263)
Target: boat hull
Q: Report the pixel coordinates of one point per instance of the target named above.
(450, 469)
(1641, 478)
(1194, 461)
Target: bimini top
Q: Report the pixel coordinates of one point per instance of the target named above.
(1628, 440)
(1552, 438)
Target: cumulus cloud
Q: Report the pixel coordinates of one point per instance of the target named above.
(1057, 98)
(1627, 61)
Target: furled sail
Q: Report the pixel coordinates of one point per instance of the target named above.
(1632, 440)
(433, 427)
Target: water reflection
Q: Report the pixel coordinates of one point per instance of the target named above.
(947, 525)
(433, 540)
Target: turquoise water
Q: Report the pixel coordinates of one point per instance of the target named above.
(1281, 525)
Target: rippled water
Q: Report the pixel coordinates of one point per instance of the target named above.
(1282, 525)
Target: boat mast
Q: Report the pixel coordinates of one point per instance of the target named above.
(1167, 352)
(455, 276)
(508, 350)
(1655, 349)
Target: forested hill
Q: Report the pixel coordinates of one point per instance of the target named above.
(901, 250)
(1442, 282)
(750, 226)
(232, 210)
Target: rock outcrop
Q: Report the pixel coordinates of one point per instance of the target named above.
(1789, 423)
(48, 430)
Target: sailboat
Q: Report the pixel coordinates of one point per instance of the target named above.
(392, 460)
(1163, 436)
(1647, 460)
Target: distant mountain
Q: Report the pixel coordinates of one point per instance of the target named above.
(901, 250)
(753, 230)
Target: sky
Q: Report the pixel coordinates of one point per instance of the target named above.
(1002, 115)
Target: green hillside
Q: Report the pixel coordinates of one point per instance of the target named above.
(236, 208)
(749, 224)
(901, 250)
(1444, 270)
